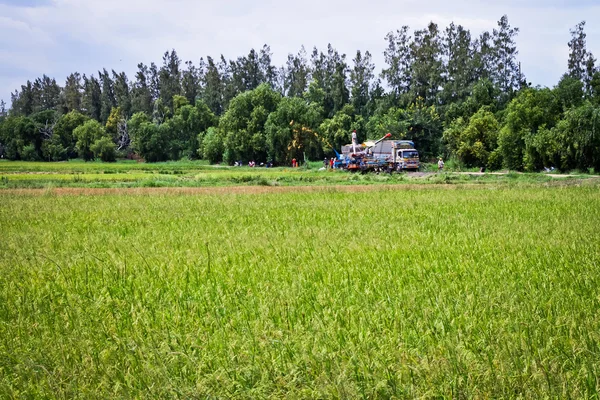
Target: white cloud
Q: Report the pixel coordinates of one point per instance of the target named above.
(86, 35)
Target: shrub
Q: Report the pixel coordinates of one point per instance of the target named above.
(105, 149)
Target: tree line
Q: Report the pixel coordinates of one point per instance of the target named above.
(454, 94)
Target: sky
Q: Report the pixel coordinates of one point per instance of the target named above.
(58, 37)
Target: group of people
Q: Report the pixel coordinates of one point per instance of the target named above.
(252, 164)
(329, 163)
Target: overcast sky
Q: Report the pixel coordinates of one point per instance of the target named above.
(57, 37)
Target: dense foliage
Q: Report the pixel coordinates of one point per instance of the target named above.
(453, 94)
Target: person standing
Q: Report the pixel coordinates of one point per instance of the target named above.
(440, 165)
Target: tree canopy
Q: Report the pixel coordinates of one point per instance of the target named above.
(453, 93)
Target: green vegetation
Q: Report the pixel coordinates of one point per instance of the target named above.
(455, 95)
(485, 292)
(32, 175)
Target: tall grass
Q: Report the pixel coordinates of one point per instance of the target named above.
(476, 293)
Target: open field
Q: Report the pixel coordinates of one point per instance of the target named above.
(39, 175)
(406, 291)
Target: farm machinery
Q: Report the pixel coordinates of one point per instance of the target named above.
(380, 156)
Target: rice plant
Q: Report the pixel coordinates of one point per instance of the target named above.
(460, 292)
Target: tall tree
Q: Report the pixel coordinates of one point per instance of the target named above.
(361, 78)
(483, 56)
(108, 95)
(231, 80)
(141, 92)
(507, 72)
(296, 74)
(399, 58)
(329, 71)
(154, 81)
(577, 51)
(71, 95)
(122, 93)
(339, 82)
(268, 71)
(582, 63)
(250, 71)
(91, 101)
(190, 82)
(213, 87)
(459, 70)
(170, 78)
(22, 102)
(426, 69)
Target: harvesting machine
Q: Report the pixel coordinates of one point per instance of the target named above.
(380, 155)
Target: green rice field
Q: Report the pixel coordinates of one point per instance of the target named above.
(127, 174)
(444, 291)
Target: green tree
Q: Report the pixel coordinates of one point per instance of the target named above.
(290, 130)
(64, 128)
(15, 134)
(104, 149)
(71, 96)
(45, 122)
(186, 127)
(170, 78)
(582, 64)
(531, 110)
(296, 74)
(152, 141)
(108, 98)
(267, 70)
(426, 68)
(399, 59)
(211, 148)
(574, 142)
(122, 93)
(213, 88)
(473, 142)
(53, 150)
(243, 125)
(507, 72)
(361, 78)
(91, 101)
(141, 94)
(23, 101)
(87, 134)
(337, 130)
(459, 70)
(114, 122)
(190, 82)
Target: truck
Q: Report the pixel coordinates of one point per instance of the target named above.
(401, 155)
(380, 156)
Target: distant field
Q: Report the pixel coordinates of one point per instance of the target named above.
(476, 292)
(126, 174)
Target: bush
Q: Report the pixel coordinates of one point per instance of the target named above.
(104, 149)
(29, 153)
(53, 150)
(87, 135)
